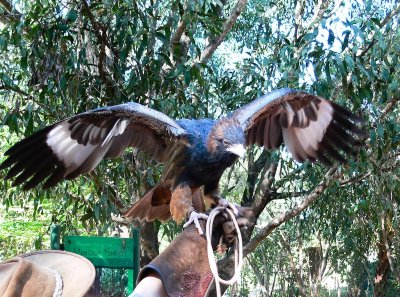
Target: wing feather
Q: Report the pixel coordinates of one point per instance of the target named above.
(76, 145)
(267, 133)
(311, 127)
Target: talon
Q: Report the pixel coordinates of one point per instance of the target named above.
(225, 203)
(194, 218)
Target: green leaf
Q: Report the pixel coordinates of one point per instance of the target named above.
(331, 37)
(72, 15)
(349, 62)
(187, 76)
(142, 47)
(328, 73)
(345, 42)
(24, 63)
(87, 216)
(380, 130)
(161, 37)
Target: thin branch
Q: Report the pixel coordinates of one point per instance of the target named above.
(319, 11)
(215, 42)
(386, 237)
(15, 89)
(10, 13)
(355, 179)
(284, 195)
(7, 5)
(283, 217)
(381, 25)
(295, 272)
(389, 106)
(319, 14)
(298, 17)
(6, 17)
(263, 194)
(178, 32)
(254, 168)
(98, 28)
(324, 264)
(121, 220)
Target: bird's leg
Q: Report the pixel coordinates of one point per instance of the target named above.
(213, 199)
(225, 203)
(181, 202)
(194, 218)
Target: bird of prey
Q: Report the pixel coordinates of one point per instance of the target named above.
(195, 153)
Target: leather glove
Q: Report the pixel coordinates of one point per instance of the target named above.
(224, 231)
(183, 266)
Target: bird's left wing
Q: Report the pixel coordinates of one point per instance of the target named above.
(311, 127)
(76, 145)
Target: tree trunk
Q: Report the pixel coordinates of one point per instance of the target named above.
(383, 268)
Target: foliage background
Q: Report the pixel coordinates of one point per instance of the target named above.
(203, 59)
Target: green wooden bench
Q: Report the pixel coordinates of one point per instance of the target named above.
(103, 252)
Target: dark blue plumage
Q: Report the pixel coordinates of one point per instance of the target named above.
(198, 161)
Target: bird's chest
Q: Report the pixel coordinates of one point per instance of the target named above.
(206, 169)
(205, 173)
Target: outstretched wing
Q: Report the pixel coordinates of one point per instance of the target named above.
(76, 145)
(311, 127)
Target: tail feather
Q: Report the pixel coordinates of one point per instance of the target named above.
(155, 204)
(144, 208)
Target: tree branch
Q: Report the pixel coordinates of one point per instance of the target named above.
(283, 217)
(381, 25)
(295, 272)
(284, 195)
(100, 31)
(7, 5)
(389, 106)
(263, 196)
(178, 32)
(298, 17)
(254, 168)
(215, 42)
(98, 28)
(15, 89)
(319, 12)
(10, 14)
(355, 179)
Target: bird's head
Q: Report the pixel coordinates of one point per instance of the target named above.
(226, 138)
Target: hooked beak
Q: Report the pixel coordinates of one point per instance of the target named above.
(237, 149)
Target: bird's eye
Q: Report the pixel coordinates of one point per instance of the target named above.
(225, 142)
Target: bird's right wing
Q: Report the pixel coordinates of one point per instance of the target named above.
(311, 127)
(76, 145)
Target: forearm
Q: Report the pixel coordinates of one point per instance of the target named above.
(150, 286)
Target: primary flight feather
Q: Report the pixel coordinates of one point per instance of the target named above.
(195, 153)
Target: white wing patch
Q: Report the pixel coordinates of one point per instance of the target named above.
(68, 150)
(73, 154)
(303, 143)
(118, 128)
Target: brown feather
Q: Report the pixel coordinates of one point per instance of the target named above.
(275, 136)
(217, 132)
(181, 202)
(252, 134)
(141, 208)
(153, 205)
(260, 132)
(311, 127)
(267, 133)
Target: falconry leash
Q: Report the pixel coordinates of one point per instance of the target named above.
(238, 247)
